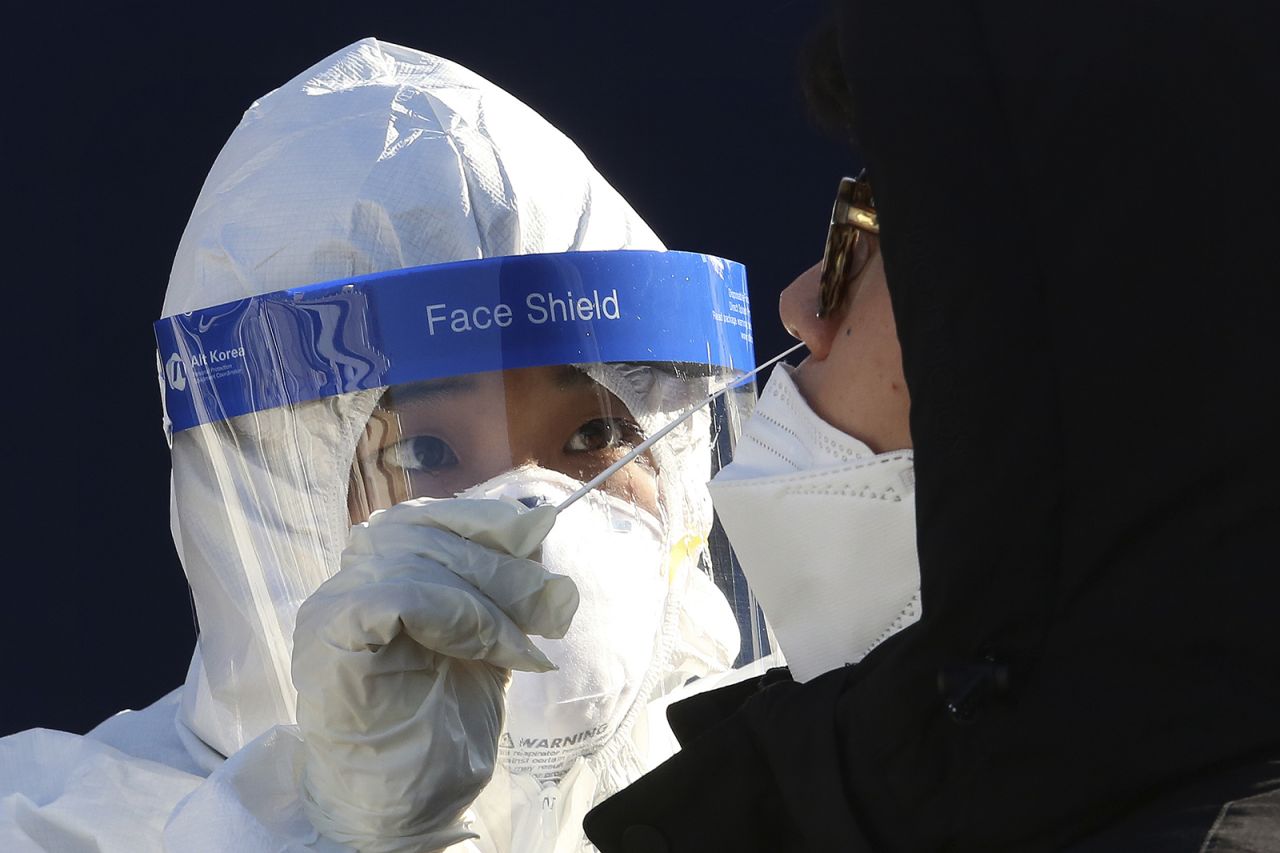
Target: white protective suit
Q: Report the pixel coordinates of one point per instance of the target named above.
(377, 158)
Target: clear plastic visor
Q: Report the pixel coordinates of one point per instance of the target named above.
(440, 437)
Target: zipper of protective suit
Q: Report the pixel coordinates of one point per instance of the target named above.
(547, 817)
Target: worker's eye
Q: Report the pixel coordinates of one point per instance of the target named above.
(421, 453)
(604, 434)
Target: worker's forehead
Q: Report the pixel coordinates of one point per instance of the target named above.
(554, 379)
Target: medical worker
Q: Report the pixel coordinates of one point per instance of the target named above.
(405, 323)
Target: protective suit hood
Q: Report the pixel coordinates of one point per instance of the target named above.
(377, 158)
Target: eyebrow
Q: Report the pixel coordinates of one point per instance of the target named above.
(569, 377)
(428, 390)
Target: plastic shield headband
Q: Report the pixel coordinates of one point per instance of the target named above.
(445, 320)
(297, 413)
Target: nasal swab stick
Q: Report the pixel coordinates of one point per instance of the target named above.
(648, 442)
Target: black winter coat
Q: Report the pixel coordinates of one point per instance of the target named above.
(1078, 205)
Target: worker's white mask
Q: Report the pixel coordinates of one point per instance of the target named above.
(614, 551)
(824, 529)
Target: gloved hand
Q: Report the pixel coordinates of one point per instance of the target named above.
(401, 660)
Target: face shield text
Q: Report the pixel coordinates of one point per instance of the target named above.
(540, 309)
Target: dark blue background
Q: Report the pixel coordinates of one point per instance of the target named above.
(692, 110)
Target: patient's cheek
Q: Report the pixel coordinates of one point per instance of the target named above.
(859, 388)
(825, 386)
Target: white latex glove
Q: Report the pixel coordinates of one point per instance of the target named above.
(401, 660)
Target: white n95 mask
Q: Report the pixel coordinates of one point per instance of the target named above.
(824, 529)
(614, 552)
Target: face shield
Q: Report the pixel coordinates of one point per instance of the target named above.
(298, 413)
